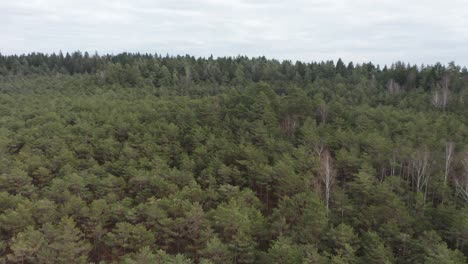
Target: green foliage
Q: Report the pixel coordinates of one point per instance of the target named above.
(303, 217)
(26, 245)
(284, 251)
(65, 243)
(126, 237)
(374, 250)
(142, 158)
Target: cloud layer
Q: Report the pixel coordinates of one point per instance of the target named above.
(356, 30)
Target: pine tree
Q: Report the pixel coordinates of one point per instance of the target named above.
(65, 243)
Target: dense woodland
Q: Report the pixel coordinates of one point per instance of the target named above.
(143, 158)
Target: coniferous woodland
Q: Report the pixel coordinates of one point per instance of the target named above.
(140, 158)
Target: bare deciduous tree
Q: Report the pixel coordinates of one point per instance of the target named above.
(420, 165)
(449, 147)
(444, 84)
(395, 162)
(327, 173)
(393, 87)
(319, 148)
(441, 94)
(461, 180)
(322, 112)
(289, 125)
(436, 101)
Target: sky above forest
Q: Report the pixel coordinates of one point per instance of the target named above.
(417, 31)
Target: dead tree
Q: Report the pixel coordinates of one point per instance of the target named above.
(394, 162)
(420, 175)
(322, 112)
(444, 84)
(449, 147)
(436, 101)
(393, 87)
(289, 125)
(326, 173)
(441, 94)
(319, 148)
(461, 180)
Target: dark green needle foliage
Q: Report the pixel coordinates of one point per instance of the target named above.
(142, 158)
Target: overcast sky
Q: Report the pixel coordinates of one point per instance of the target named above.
(415, 31)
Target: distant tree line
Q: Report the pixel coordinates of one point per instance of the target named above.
(134, 68)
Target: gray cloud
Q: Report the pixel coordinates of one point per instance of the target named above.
(359, 30)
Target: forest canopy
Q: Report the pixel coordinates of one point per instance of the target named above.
(143, 158)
